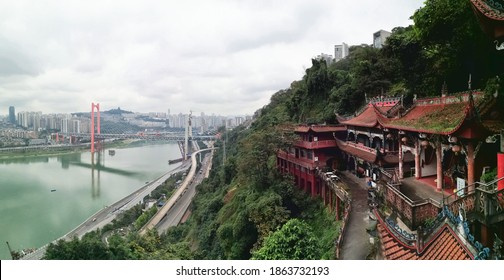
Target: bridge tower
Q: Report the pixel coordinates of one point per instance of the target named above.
(93, 128)
(188, 135)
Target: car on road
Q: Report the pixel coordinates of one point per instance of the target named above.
(334, 178)
(93, 220)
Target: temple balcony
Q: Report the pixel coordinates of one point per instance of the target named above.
(316, 144)
(358, 150)
(304, 162)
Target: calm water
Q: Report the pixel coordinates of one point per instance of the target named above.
(32, 215)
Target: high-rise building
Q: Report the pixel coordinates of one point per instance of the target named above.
(12, 115)
(340, 51)
(379, 38)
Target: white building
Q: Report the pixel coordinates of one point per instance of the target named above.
(379, 38)
(340, 51)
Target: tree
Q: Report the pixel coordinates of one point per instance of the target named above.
(89, 248)
(268, 214)
(455, 45)
(294, 241)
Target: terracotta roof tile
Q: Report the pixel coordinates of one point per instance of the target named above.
(438, 119)
(367, 118)
(444, 245)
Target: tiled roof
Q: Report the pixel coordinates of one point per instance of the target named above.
(444, 245)
(320, 128)
(492, 116)
(436, 118)
(367, 118)
(486, 8)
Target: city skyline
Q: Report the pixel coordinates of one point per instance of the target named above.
(166, 112)
(215, 56)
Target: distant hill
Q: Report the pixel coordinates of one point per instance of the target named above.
(117, 111)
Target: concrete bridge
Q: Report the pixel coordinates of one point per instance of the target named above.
(145, 136)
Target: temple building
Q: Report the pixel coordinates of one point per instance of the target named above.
(316, 150)
(426, 160)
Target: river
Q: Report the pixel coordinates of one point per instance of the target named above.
(44, 197)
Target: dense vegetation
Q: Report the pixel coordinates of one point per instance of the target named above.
(246, 209)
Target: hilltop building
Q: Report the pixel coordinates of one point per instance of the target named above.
(379, 38)
(340, 51)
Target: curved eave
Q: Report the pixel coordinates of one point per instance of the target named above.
(361, 124)
(366, 118)
(482, 10)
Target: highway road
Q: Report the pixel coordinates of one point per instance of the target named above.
(184, 187)
(176, 212)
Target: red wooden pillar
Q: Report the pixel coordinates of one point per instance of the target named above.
(401, 171)
(470, 166)
(439, 167)
(418, 168)
(500, 169)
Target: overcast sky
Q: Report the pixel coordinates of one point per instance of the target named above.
(215, 56)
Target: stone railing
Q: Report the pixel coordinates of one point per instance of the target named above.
(406, 238)
(340, 192)
(484, 203)
(346, 217)
(457, 98)
(413, 213)
(345, 197)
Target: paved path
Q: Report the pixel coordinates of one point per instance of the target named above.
(356, 240)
